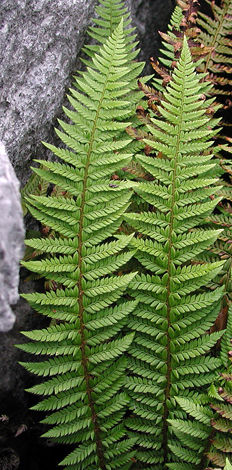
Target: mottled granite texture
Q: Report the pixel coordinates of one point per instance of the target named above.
(11, 240)
(40, 42)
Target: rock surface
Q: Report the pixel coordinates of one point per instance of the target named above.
(40, 41)
(11, 240)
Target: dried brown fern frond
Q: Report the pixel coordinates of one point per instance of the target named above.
(216, 33)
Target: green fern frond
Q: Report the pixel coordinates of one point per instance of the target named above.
(35, 185)
(109, 15)
(174, 310)
(182, 24)
(87, 349)
(214, 39)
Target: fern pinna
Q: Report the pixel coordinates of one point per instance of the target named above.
(167, 356)
(87, 344)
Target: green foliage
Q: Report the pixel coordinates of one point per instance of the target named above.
(35, 185)
(182, 24)
(110, 13)
(167, 356)
(128, 353)
(206, 434)
(215, 34)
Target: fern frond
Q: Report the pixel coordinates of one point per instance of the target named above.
(110, 13)
(174, 310)
(216, 34)
(167, 49)
(87, 365)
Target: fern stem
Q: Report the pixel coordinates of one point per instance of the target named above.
(99, 450)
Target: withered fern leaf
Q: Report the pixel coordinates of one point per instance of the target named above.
(216, 34)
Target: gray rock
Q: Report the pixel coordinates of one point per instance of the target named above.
(40, 41)
(11, 240)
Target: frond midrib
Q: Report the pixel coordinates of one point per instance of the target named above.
(169, 370)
